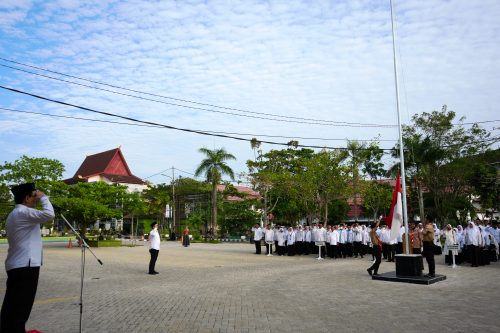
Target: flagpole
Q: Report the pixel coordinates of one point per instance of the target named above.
(401, 155)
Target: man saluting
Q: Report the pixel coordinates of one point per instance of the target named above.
(24, 256)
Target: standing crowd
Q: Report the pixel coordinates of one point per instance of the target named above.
(477, 244)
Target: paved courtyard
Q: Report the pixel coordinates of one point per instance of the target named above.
(226, 288)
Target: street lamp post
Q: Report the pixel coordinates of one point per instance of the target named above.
(173, 194)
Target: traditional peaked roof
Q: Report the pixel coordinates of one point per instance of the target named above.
(246, 191)
(109, 164)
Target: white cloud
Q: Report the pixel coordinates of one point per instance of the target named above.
(322, 59)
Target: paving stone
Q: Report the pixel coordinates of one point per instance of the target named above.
(210, 288)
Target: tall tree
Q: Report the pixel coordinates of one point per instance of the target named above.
(212, 168)
(377, 197)
(325, 178)
(40, 170)
(86, 203)
(439, 152)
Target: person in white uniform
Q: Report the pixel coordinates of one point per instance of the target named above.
(24, 256)
(269, 239)
(258, 233)
(290, 244)
(154, 247)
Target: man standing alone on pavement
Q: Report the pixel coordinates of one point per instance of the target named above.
(154, 247)
(24, 256)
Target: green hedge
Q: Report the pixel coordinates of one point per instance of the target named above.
(104, 243)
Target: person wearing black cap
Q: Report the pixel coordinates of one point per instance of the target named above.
(24, 256)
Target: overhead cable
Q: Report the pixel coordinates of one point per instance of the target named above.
(168, 126)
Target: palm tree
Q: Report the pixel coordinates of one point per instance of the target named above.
(213, 167)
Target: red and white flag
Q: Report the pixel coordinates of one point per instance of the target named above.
(395, 219)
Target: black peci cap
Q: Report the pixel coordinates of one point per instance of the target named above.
(23, 189)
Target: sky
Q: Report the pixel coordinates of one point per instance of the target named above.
(319, 72)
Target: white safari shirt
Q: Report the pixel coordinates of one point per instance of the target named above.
(24, 236)
(154, 240)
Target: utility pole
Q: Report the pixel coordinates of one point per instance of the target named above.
(173, 196)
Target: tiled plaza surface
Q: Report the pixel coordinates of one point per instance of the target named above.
(226, 288)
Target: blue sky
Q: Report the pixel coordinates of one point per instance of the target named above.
(328, 60)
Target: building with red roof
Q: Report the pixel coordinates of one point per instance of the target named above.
(109, 167)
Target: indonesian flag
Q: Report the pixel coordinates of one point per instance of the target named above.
(395, 219)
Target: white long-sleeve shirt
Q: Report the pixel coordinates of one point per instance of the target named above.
(307, 236)
(342, 236)
(154, 240)
(257, 233)
(24, 236)
(357, 236)
(299, 235)
(281, 235)
(291, 238)
(269, 235)
(321, 235)
(334, 237)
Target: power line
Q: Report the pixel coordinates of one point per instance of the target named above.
(216, 134)
(156, 126)
(300, 120)
(314, 121)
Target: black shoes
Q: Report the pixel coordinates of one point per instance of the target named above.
(153, 273)
(430, 275)
(369, 271)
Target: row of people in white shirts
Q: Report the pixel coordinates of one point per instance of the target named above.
(317, 233)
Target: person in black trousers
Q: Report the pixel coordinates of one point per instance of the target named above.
(154, 247)
(428, 242)
(373, 270)
(24, 257)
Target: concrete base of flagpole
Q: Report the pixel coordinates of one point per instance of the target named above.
(409, 270)
(392, 277)
(409, 264)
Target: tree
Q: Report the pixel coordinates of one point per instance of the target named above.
(156, 198)
(237, 215)
(213, 167)
(40, 170)
(438, 151)
(365, 157)
(376, 197)
(325, 178)
(254, 144)
(276, 176)
(86, 203)
(44, 172)
(133, 205)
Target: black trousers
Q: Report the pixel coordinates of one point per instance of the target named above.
(385, 250)
(429, 257)
(348, 247)
(291, 249)
(335, 249)
(342, 250)
(299, 247)
(399, 248)
(257, 246)
(378, 259)
(357, 249)
(391, 251)
(19, 297)
(269, 248)
(152, 261)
